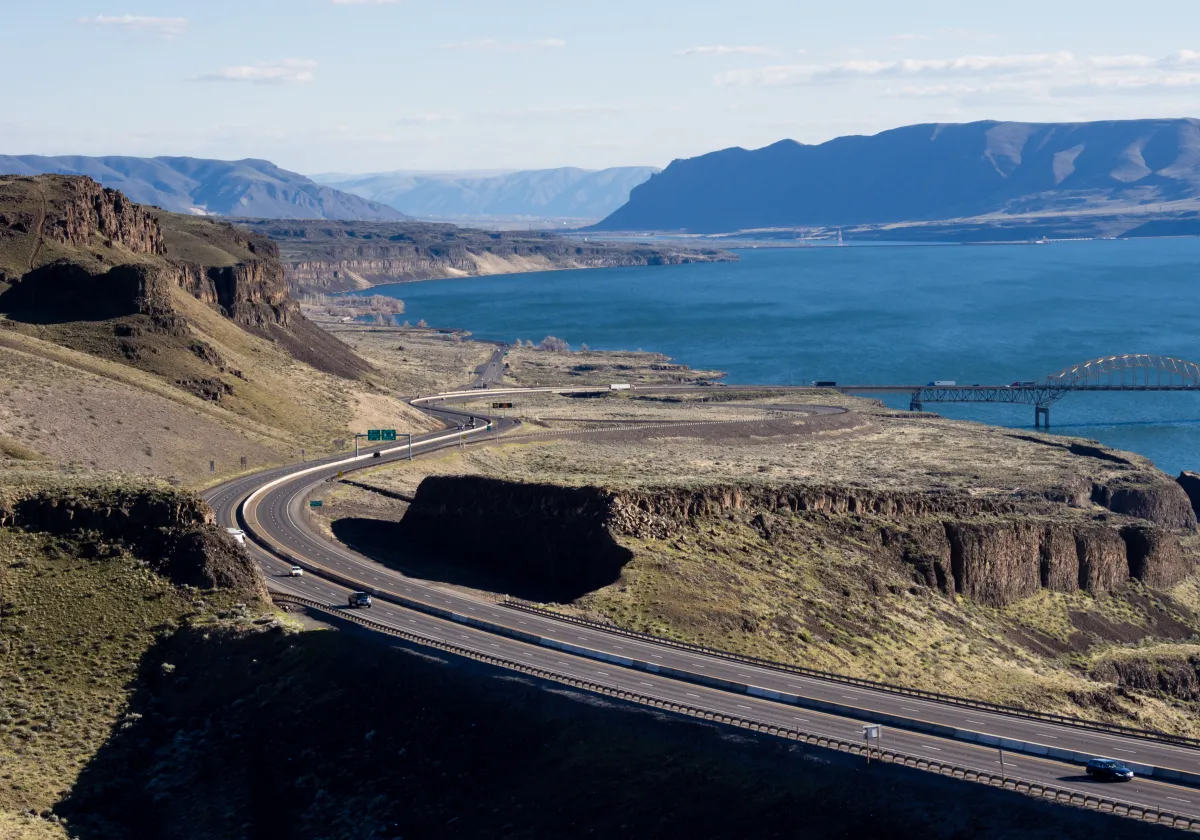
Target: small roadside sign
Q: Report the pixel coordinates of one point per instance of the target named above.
(316, 503)
(502, 405)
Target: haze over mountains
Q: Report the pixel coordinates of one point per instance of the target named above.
(255, 188)
(928, 172)
(564, 193)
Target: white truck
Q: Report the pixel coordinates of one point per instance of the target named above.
(239, 536)
(617, 386)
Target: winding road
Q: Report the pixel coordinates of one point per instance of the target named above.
(271, 505)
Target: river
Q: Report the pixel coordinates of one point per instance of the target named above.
(904, 314)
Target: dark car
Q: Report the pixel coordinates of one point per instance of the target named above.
(1107, 770)
(360, 599)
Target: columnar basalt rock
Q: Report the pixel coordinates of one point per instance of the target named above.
(91, 212)
(994, 551)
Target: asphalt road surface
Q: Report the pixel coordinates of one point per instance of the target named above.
(277, 516)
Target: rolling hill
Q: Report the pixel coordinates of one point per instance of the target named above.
(209, 187)
(928, 172)
(565, 193)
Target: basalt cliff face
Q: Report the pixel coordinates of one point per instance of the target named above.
(995, 551)
(74, 253)
(345, 256)
(72, 248)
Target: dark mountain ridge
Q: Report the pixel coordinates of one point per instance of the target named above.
(925, 172)
(197, 186)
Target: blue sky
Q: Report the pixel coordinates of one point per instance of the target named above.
(374, 85)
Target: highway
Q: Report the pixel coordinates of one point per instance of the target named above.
(271, 505)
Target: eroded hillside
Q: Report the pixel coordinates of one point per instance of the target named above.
(138, 339)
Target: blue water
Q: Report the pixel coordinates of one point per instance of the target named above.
(988, 314)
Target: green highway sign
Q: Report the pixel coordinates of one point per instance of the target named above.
(388, 434)
(315, 503)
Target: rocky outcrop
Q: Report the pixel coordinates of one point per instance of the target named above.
(89, 214)
(542, 542)
(1189, 482)
(1176, 676)
(1163, 502)
(174, 532)
(995, 551)
(252, 293)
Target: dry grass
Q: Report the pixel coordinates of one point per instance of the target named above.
(72, 632)
(78, 408)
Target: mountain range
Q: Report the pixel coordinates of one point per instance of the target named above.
(564, 193)
(928, 172)
(197, 186)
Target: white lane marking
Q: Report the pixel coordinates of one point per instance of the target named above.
(976, 722)
(938, 749)
(689, 694)
(802, 720)
(1177, 799)
(656, 656)
(740, 706)
(747, 676)
(850, 696)
(646, 684)
(584, 638)
(908, 709)
(1131, 752)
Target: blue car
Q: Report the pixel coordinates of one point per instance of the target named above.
(1107, 770)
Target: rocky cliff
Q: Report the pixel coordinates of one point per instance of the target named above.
(344, 256)
(173, 532)
(994, 551)
(72, 252)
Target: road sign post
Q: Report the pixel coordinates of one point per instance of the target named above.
(871, 730)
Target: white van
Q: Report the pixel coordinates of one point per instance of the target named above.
(239, 536)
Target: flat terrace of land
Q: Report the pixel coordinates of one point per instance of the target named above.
(759, 442)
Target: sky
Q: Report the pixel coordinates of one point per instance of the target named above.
(352, 86)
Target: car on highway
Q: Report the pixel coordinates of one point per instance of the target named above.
(239, 536)
(296, 571)
(359, 599)
(1108, 770)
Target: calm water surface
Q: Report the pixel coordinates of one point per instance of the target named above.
(882, 315)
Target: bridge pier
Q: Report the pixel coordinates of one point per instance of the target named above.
(1039, 412)
(915, 403)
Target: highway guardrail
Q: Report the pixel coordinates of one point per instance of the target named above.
(1037, 790)
(1011, 711)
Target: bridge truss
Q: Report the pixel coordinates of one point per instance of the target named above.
(1130, 372)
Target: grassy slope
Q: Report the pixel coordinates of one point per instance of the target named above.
(71, 633)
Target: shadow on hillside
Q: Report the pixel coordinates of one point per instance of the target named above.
(545, 566)
(350, 734)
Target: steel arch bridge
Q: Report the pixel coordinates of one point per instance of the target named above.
(1128, 372)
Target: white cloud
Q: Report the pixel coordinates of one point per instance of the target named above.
(167, 27)
(723, 50)
(492, 45)
(804, 74)
(287, 71)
